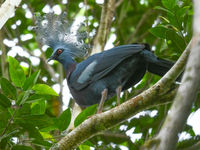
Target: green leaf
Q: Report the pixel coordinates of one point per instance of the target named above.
(84, 147)
(64, 119)
(88, 143)
(46, 135)
(35, 98)
(173, 19)
(44, 89)
(169, 4)
(163, 9)
(16, 72)
(176, 40)
(85, 114)
(39, 121)
(31, 80)
(32, 131)
(42, 143)
(23, 97)
(20, 147)
(38, 108)
(182, 11)
(159, 31)
(8, 89)
(4, 101)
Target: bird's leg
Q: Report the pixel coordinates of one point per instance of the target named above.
(103, 98)
(118, 91)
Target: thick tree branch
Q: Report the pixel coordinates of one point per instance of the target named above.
(187, 92)
(100, 122)
(193, 147)
(7, 9)
(104, 27)
(157, 94)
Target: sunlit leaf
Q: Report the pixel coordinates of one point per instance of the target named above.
(44, 90)
(31, 80)
(23, 97)
(84, 147)
(16, 72)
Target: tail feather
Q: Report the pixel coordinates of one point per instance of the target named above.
(160, 66)
(157, 65)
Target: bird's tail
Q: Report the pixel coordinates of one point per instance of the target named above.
(160, 66)
(156, 65)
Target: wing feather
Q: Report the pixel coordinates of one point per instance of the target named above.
(99, 65)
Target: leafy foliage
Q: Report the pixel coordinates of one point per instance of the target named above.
(31, 110)
(85, 114)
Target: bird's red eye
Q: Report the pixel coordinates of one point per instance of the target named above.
(59, 51)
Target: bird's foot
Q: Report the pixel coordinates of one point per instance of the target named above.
(103, 98)
(118, 91)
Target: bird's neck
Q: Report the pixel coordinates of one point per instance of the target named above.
(69, 65)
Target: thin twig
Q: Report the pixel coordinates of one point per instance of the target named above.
(141, 22)
(118, 3)
(9, 122)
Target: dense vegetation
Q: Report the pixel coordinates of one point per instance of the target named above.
(32, 115)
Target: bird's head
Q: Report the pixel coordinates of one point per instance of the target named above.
(63, 53)
(65, 38)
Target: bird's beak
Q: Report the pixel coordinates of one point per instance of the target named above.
(50, 58)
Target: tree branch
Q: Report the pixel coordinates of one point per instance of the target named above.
(157, 94)
(4, 66)
(7, 9)
(186, 95)
(193, 147)
(104, 27)
(118, 3)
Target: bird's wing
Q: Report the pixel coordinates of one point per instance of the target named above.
(99, 65)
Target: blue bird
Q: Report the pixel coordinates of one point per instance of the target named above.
(100, 76)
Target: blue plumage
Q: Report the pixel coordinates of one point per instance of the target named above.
(118, 68)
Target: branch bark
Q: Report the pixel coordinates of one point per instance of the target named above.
(193, 147)
(159, 93)
(104, 27)
(4, 66)
(7, 9)
(186, 95)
